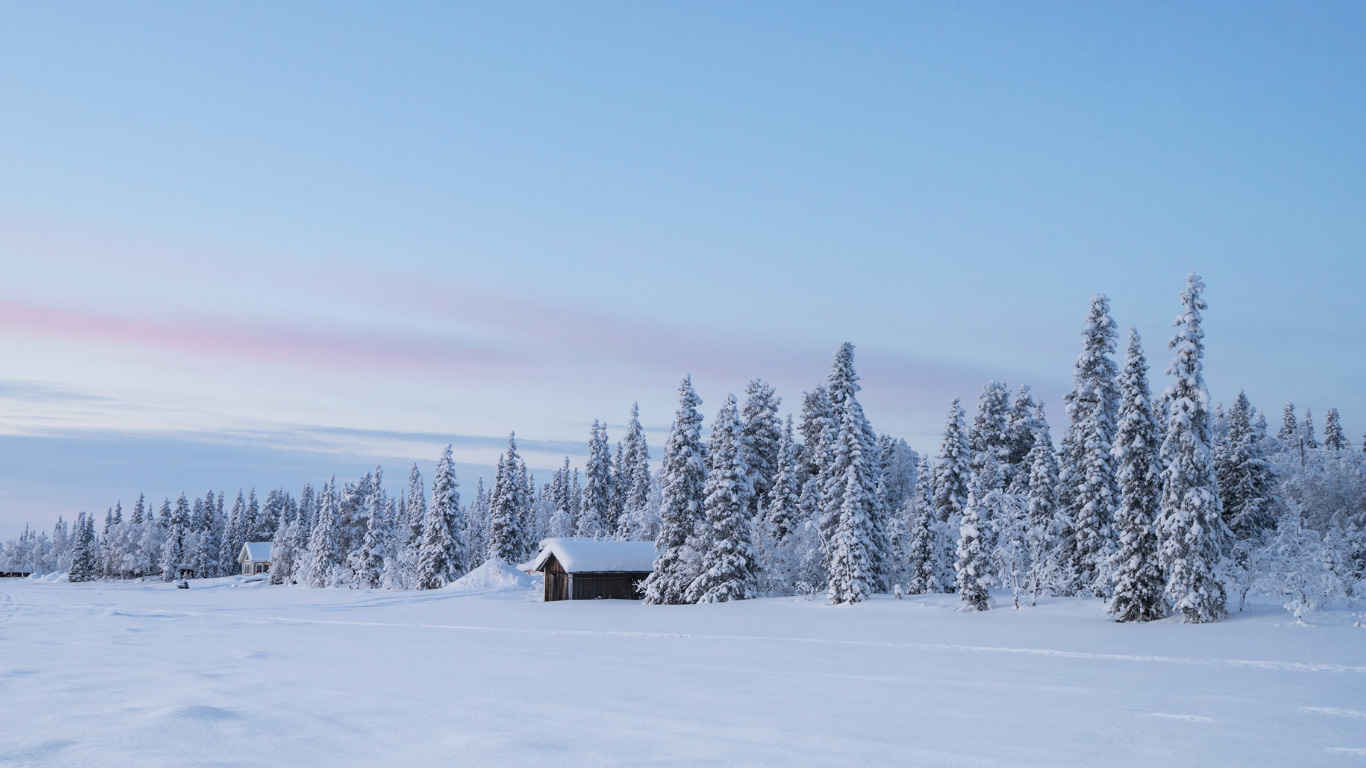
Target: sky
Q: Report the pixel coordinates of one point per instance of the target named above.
(253, 244)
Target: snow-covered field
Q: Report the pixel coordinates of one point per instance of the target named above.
(240, 673)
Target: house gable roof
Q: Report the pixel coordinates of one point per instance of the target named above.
(255, 551)
(593, 556)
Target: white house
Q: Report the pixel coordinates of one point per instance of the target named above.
(255, 557)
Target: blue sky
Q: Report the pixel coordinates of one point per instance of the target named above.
(257, 243)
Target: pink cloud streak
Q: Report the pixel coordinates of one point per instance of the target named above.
(198, 337)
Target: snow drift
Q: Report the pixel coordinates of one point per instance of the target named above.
(493, 576)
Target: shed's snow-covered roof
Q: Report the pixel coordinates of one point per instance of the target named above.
(256, 551)
(592, 556)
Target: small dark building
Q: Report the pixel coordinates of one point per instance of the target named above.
(587, 569)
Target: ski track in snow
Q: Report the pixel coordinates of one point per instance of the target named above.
(1285, 666)
(9, 607)
(1335, 711)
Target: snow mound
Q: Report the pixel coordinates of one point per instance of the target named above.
(493, 575)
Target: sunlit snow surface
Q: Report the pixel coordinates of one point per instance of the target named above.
(233, 673)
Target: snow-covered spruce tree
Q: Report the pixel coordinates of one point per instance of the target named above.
(1307, 430)
(595, 516)
(818, 425)
(373, 551)
(61, 545)
(898, 466)
(857, 547)
(282, 554)
(759, 438)
(954, 468)
(325, 554)
(1047, 518)
(83, 550)
(729, 564)
(990, 432)
(301, 532)
(1333, 437)
(506, 508)
(1087, 472)
(476, 530)
(251, 518)
(635, 523)
(441, 556)
(1290, 428)
(174, 554)
(781, 513)
(1191, 531)
(111, 544)
(368, 562)
(973, 564)
(1024, 424)
(1138, 581)
(531, 530)
(236, 533)
(923, 547)
(562, 521)
(683, 477)
(204, 559)
(1246, 477)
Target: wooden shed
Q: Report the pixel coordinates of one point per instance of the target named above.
(587, 569)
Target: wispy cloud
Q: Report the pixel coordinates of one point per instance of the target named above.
(43, 392)
(247, 340)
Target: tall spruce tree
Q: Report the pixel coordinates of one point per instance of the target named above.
(1087, 472)
(562, 523)
(595, 518)
(973, 564)
(1138, 582)
(441, 556)
(729, 563)
(1307, 430)
(954, 469)
(1245, 475)
(507, 508)
(83, 550)
(857, 549)
(634, 478)
(175, 555)
(1024, 424)
(923, 548)
(1191, 530)
(1333, 437)
(781, 512)
(990, 432)
(326, 555)
(760, 436)
(1047, 518)
(1290, 428)
(683, 476)
(415, 510)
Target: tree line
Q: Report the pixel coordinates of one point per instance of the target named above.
(1154, 503)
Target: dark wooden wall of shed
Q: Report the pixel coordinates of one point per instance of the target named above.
(556, 580)
(607, 586)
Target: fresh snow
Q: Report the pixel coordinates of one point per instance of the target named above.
(232, 672)
(258, 551)
(492, 576)
(579, 555)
